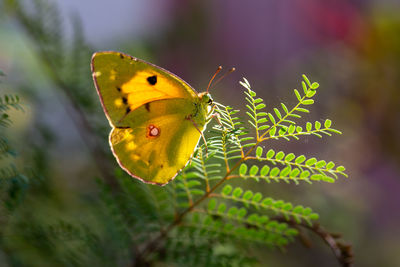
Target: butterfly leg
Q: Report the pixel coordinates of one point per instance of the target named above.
(213, 115)
(201, 133)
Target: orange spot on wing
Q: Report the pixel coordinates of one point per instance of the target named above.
(153, 131)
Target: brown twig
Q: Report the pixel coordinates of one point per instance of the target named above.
(343, 252)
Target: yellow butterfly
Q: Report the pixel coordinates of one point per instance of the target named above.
(156, 117)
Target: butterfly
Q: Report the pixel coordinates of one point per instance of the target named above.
(157, 119)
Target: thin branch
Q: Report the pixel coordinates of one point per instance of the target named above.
(343, 252)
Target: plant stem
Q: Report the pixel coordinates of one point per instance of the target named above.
(342, 252)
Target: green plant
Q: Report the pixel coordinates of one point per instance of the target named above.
(207, 208)
(12, 181)
(193, 219)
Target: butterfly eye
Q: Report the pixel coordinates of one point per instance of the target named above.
(210, 101)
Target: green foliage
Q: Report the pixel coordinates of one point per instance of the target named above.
(201, 210)
(11, 180)
(8, 102)
(256, 200)
(290, 168)
(281, 124)
(65, 64)
(234, 152)
(13, 183)
(179, 251)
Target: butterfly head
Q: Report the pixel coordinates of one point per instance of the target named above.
(206, 98)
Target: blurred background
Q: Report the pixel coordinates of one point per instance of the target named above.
(352, 48)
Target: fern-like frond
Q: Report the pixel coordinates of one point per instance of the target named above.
(275, 174)
(256, 106)
(237, 227)
(314, 165)
(5, 148)
(287, 174)
(208, 251)
(10, 101)
(188, 189)
(119, 215)
(281, 122)
(197, 177)
(64, 59)
(253, 220)
(289, 168)
(140, 201)
(259, 202)
(296, 131)
(8, 173)
(233, 133)
(4, 120)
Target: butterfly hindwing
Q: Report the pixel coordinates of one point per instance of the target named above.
(125, 83)
(156, 141)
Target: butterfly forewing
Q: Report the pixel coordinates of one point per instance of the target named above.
(125, 83)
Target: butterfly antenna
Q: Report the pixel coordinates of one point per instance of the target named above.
(215, 74)
(223, 76)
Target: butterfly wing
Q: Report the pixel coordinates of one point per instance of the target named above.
(125, 83)
(148, 108)
(156, 141)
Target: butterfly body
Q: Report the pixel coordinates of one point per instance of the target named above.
(156, 117)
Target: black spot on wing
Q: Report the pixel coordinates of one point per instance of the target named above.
(147, 106)
(121, 55)
(124, 100)
(128, 109)
(152, 79)
(118, 89)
